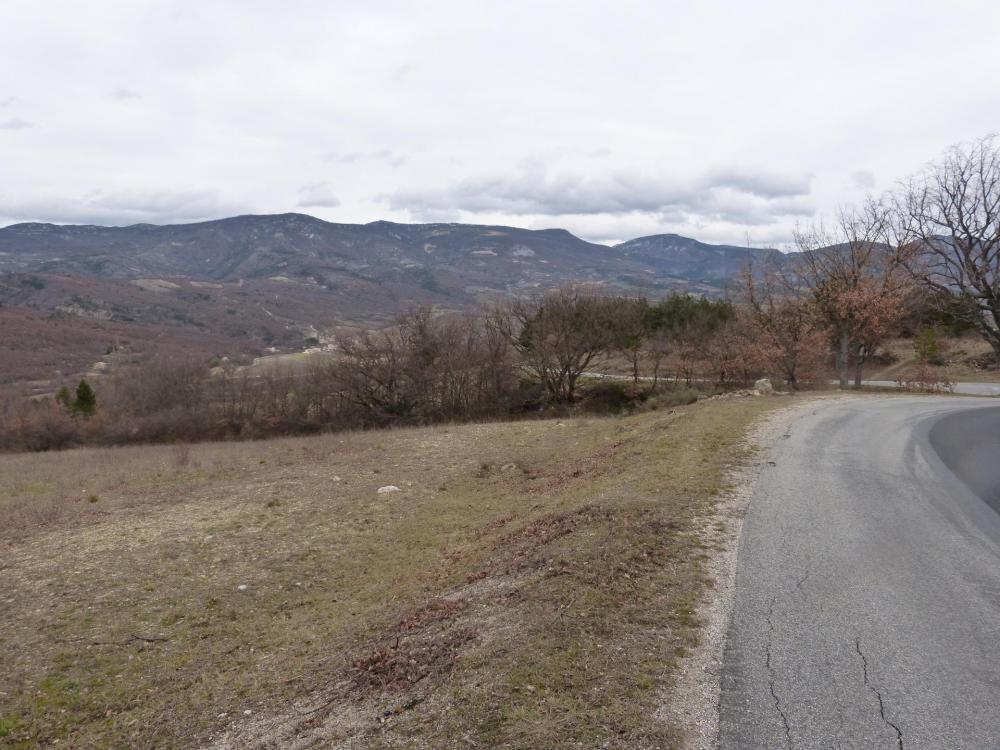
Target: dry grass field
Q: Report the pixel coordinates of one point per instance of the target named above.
(531, 584)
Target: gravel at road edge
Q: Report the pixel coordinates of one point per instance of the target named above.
(693, 704)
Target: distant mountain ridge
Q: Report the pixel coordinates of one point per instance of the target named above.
(285, 280)
(686, 258)
(256, 246)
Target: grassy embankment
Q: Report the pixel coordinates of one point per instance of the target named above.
(531, 585)
(962, 358)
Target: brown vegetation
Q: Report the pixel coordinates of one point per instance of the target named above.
(784, 331)
(858, 280)
(262, 594)
(427, 368)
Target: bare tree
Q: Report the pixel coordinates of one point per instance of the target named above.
(372, 373)
(237, 397)
(427, 367)
(858, 280)
(558, 336)
(157, 385)
(954, 212)
(632, 332)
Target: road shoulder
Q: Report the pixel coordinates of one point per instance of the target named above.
(694, 703)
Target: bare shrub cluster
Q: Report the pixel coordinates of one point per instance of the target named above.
(520, 357)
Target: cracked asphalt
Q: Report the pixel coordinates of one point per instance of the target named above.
(867, 607)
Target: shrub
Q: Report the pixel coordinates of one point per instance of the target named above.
(610, 397)
(667, 399)
(927, 348)
(924, 380)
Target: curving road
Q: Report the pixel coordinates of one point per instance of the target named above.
(966, 389)
(867, 610)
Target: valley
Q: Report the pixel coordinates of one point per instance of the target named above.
(253, 285)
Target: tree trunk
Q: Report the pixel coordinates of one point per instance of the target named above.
(656, 375)
(570, 388)
(843, 356)
(858, 366)
(989, 327)
(993, 337)
(791, 371)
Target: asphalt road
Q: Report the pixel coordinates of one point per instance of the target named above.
(867, 610)
(968, 389)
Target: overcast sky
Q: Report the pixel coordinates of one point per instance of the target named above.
(716, 120)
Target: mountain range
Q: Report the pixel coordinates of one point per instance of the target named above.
(248, 283)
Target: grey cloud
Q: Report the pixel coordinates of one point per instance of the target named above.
(799, 205)
(343, 158)
(389, 157)
(16, 123)
(317, 194)
(121, 207)
(156, 201)
(759, 182)
(124, 94)
(384, 155)
(729, 196)
(863, 179)
(8, 101)
(534, 192)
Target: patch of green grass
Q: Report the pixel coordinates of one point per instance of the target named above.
(8, 724)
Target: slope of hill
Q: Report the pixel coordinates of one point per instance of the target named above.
(685, 259)
(265, 605)
(454, 259)
(284, 280)
(303, 248)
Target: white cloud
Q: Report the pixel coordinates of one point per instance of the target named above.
(317, 194)
(119, 207)
(864, 179)
(642, 117)
(734, 197)
(16, 123)
(124, 94)
(384, 155)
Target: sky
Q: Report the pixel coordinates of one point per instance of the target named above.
(724, 121)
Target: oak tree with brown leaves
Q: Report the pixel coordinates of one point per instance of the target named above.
(858, 279)
(782, 323)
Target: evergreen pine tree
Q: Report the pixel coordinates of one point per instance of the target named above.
(85, 402)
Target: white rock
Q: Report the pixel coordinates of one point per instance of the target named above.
(763, 386)
(241, 587)
(387, 489)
